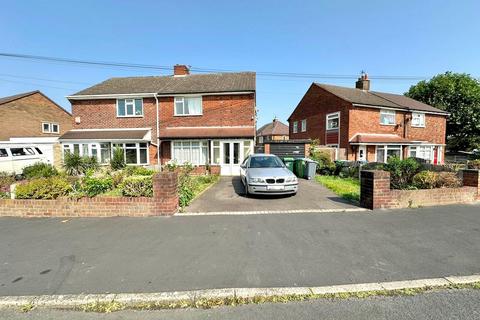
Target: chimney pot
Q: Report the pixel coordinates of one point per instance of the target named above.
(181, 70)
(363, 83)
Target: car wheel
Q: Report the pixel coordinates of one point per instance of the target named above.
(246, 191)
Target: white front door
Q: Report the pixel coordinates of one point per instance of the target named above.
(362, 153)
(232, 157)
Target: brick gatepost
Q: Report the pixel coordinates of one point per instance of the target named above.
(165, 193)
(471, 178)
(374, 188)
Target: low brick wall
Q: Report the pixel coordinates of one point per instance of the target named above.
(375, 192)
(163, 202)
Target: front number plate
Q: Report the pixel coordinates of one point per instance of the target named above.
(275, 188)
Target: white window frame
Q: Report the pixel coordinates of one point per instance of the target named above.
(386, 148)
(295, 126)
(182, 101)
(421, 151)
(131, 101)
(304, 125)
(422, 119)
(43, 127)
(97, 145)
(388, 113)
(50, 127)
(187, 145)
(332, 116)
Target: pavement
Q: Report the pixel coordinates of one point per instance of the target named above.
(439, 305)
(100, 255)
(229, 195)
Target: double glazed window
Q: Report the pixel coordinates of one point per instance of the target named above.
(304, 125)
(188, 106)
(295, 126)
(385, 152)
(387, 117)
(333, 121)
(422, 152)
(193, 152)
(129, 107)
(418, 119)
(48, 127)
(134, 153)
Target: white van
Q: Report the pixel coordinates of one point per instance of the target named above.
(14, 158)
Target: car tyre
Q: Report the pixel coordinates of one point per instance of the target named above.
(247, 194)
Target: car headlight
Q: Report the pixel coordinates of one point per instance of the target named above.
(291, 179)
(257, 180)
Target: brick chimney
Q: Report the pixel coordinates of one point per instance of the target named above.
(180, 70)
(363, 83)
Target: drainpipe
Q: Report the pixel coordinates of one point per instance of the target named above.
(158, 133)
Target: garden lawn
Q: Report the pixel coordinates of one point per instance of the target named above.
(347, 188)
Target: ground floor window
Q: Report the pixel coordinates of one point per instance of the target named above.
(134, 153)
(388, 151)
(193, 152)
(422, 152)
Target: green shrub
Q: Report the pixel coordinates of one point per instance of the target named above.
(43, 188)
(448, 180)
(4, 195)
(93, 186)
(325, 164)
(401, 172)
(90, 163)
(118, 160)
(39, 170)
(73, 164)
(137, 186)
(425, 180)
(138, 171)
(186, 185)
(117, 178)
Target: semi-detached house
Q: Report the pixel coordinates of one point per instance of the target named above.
(202, 119)
(370, 126)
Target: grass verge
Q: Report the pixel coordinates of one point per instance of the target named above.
(347, 188)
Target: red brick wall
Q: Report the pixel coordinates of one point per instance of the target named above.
(24, 117)
(375, 192)
(314, 107)
(434, 131)
(163, 202)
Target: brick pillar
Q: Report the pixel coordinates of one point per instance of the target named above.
(57, 156)
(165, 193)
(471, 178)
(374, 188)
(266, 148)
(307, 150)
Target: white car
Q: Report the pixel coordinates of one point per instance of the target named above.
(266, 174)
(14, 158)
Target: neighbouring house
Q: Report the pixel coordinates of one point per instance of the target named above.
(369, 126)
(33, 119)
(207, 120)
(273, 131)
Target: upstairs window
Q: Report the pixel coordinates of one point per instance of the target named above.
(188, 106)
(295, 127)
(48, 127)
(333, 120)
(129, 107)
(304, 125)
(418, 119)
(387, 117)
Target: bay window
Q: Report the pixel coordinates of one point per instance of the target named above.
(193, 152)
(383, 153)
(134, 153)
(387, 117)
(188, 106)
(422, 152)
(129, 107)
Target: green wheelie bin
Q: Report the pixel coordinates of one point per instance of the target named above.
(288, 161)
(300, 167)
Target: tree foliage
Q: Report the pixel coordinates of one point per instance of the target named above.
(458, 94)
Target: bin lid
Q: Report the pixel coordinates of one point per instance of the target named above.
(288, 159)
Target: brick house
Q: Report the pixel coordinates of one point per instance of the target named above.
(273, 131)
(32, 115)
(368, 125)
(202, 119)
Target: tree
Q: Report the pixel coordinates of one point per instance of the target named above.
(458, 94)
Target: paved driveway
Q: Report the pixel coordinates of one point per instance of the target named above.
(229, 195)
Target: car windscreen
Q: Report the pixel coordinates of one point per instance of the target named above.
(265, 162)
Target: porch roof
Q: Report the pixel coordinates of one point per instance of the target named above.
(207, 132)
(106, 134)
(381, 138)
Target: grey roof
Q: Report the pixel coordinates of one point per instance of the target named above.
(17, 96)
(137, 134)
(193, 83)
(381, 99)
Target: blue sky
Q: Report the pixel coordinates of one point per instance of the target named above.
(394, 38)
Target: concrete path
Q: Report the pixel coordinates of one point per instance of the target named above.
(95, 255)
(228, 195)
(441, 305)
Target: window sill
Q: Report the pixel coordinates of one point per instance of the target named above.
(130, 116)
(418, 126)
(388, 124)
(188, 115)
(332, 129)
